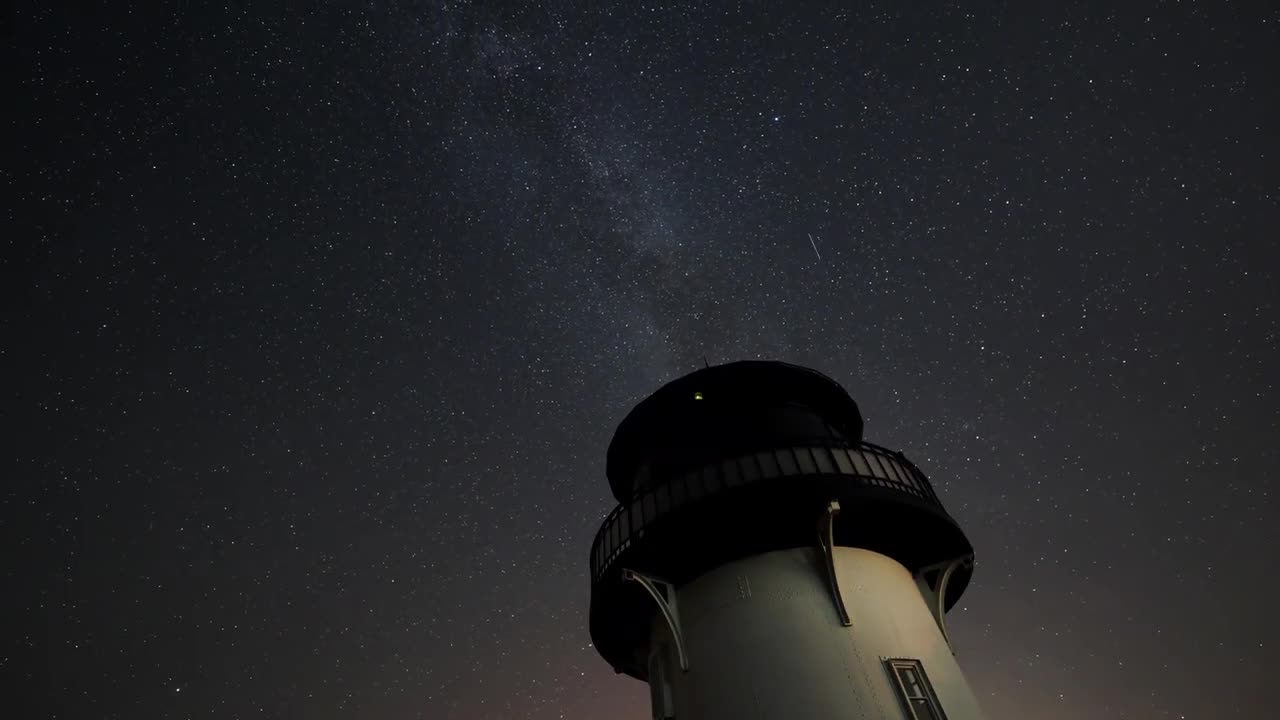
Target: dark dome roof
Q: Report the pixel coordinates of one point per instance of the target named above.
(739, 385)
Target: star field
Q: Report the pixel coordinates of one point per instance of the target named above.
(318, 322)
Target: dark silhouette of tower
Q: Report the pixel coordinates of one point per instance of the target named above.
(766, 562)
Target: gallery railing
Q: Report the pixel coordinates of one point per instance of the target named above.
(868, 464)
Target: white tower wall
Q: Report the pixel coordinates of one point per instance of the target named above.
(764, 642)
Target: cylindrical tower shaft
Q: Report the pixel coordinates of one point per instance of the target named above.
(763, 641)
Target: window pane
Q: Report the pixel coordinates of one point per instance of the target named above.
(693, 481)
(907, 477)
(923, 709)
(913, 687)
(729, 469)
(787, 462)
(805, 459)
(876, 468)
(768, 465)
(910, 682)
(842, 460)
(916, 478)
(711, 478)
(895, 474)
(750, 469)
(823, 459)
(859, 462)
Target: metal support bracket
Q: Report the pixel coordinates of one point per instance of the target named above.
(665, 596)
(826, 541)
(935, 591)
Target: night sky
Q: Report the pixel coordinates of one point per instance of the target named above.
(317, 324)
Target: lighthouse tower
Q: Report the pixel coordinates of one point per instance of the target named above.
(765, 562)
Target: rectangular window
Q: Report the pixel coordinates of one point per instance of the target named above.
(711, 479)
(905, 475)
(842, 460)
(805, 460)
(914, 689)
(899, 474)
(663, 495)
(787, 462)
(750, 469)
(823, 458)
(768, 464)
(876, 468)
(859, 462)
(693, 481)
(730, 470)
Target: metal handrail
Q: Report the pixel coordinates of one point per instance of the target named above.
(870, 463)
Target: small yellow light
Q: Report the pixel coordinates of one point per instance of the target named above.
(697, 395)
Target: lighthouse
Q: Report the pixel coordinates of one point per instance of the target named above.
(766, 562)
